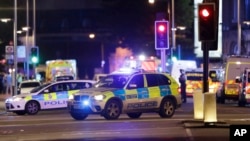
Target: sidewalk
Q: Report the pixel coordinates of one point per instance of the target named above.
(4, 96)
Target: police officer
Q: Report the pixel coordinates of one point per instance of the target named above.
(182, 80)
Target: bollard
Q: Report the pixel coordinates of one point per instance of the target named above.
(198, 99)
(210, 110)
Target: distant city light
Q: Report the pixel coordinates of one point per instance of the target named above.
(151, 1)
(5, 20)
(91, 36)
(19, 32)
(142, 57)
(25, 28)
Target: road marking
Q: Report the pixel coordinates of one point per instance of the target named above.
(189, 134)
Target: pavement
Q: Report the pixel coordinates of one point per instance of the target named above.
(188, 123)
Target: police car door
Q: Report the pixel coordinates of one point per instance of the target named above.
(136, 93)
(56, 97)
(157, 85)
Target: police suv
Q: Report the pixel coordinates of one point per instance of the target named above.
(132, 93)
(47, 96)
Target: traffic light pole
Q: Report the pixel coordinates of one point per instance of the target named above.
(205, 66)
(163, 60)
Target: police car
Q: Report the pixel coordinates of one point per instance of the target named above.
(130, 93)
(47, 96)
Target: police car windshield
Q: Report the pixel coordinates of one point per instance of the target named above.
(113, 81)
(36, 89)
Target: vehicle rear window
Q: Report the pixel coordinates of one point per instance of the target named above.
(157, 80)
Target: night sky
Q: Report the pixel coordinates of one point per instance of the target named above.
(62, 29)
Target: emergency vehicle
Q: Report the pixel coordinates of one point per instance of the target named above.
(47, 96)
(60, 68)
(195, 80)
(244, 81)
(235, 66)
(181, 64)
(141, 62)
(132, 93)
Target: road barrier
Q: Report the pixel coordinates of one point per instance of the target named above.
(198, 101)
(210, 110)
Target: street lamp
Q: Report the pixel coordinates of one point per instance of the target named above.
(92, 36)
(5, 20)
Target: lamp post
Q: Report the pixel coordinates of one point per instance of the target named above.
(15, 45)
(92, 36)
(239, 28)
(27, 35)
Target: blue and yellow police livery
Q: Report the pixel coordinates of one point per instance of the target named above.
(133, 94)
(47, 96)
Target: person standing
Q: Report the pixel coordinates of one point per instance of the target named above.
(8, 83)
(182, 80)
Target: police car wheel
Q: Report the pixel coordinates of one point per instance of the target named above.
(112, 110)
(78, 116)
(20, 113)
(167, 108)
(32, 107)
(134, 115)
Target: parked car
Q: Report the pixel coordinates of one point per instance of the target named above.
(51, 95)
(132, 93)
(27, 85)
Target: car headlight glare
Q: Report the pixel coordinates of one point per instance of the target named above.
(9, 100)
(85, 102)
(99, 97)
(13, 99)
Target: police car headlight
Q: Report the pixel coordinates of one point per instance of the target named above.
(13, 99)
(99, 97)
(71, 97)
(85, 102)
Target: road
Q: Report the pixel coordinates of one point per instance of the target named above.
(58, 125)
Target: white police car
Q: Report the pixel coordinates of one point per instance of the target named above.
(47, 96)
(130, 93)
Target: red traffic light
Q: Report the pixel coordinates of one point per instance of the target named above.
(207, 22)
(161, 28)
(161, 35)
(205, 12)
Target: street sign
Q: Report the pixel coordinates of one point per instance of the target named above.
(9, 56)
(9, 49)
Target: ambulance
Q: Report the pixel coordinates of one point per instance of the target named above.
(57, 69)
(235, 66)
(195, 80)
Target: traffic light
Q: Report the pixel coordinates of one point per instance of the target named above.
(161, 35)
(207, 22)
(34, 52)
